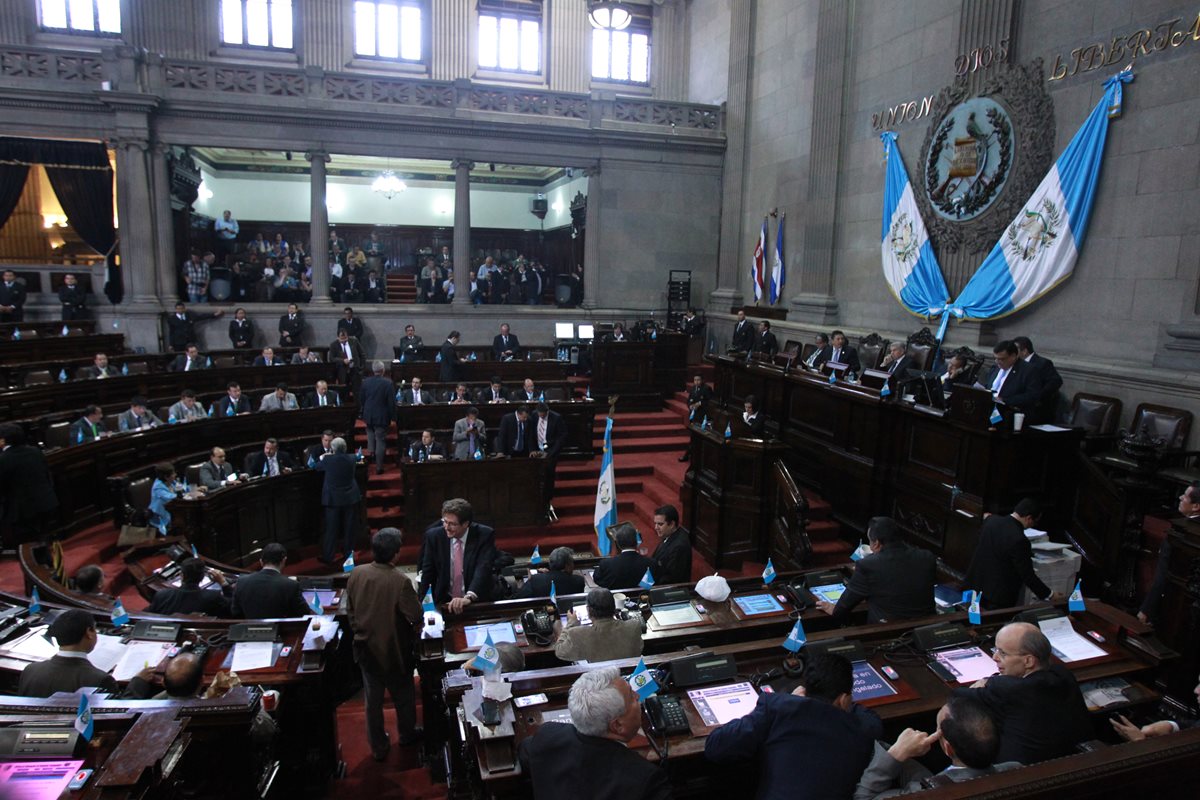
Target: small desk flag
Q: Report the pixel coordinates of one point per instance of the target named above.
(647, 580)
(832, 377)
(348, 564)
(996, 418)
(83, 719)
(536, 558)
(973, 613)
(768, 572)
(885, 391)
(118, 614)
(857, 554)
(488, 657)
(1075, 601)
(35, 601)
(315, 605)
(553, 593)
(641, 681)
(796, 639)
(427, 603)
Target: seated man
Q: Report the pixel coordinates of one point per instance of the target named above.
(232, 403)
(967, 735)
(270, 461)
(216, 472)
(605, 716)
(755, 422)
(469, 435)
(516, 437)
(608, 637)
(414, 395)
(305, 356)
(617, 335)
(267, 594)
(814, 742)
(457, 556)
(137, 417)
(100, 368)
(267, 358)
(189, 598)
(313, 453)
(956, 372)
(279, 400)
(820, 353)
(896, 580)
(673, 556)
(322, 396)
(1132, 733)
(188, 360)
(561, 575)
(1036, 703)
(626, 569)
(69, 670)
(528, 393)
(187, 409)
(89, 581)
(494, 393)
(841, 353)
(898, 362)
(410, 343)
(460, 396)
(425, 448)
(1003, 561)
(89, 427)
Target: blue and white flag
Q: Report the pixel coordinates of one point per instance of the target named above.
(83, 719)
(536, 558)
(796, 638)
(768, 572)
(553, 593)
(427, 603)
(195, 552)
(1038, 250)
(857, 554)
(1075, 601)
(966, 597)
(973, 612)
(315, 604)
(996, 417)
(728, 430)
(642, 681)
(65, 330)
(488, 657)
(606, 494)
(758, 265)
(119, 615)
(778, 271)
(909, 265)
(348, 564)
(647, 580)
(35, 601)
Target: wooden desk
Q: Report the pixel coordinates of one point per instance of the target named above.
(45, 327)
(502, 491)
(1177, 610)
(47, 346)
(579, 418)
(481, 372)
(641, 372)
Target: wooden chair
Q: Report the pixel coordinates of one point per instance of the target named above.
(920, 348)
(871, 349)
(1171, 425)
(38, 377)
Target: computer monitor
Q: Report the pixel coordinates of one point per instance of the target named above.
(564, 330)
(587, 331)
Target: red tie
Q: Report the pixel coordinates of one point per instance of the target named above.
(456, 568)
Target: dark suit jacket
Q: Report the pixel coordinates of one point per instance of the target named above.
(556, 433)
(63, 674)
(1040, 716)
(81, 431)
(407, 397)
(340, 488)
(848, 356)
(902, 366)
(332, 398)
(692, 327)
(259, 361)
(766, 343)
(109, 372)
(622, 571)
(701, 395)
(566, 765)
(338, 358)
(478, 557)
(1020, 390)
(450, 371)
(1003, 564)
(485, 395)
(743, 335)
(241, 334)
(673, 558)
(757, 427)
(410, 344)
(13, 297)
(415, 447)
(243, 405)
(1049, 382)
(189, 600)
(897, 583)
(805, 748)
(268, 595)
(180, 362)
(26, 486)
(291, 330)
(506, 438)
(354, 327)
(564, 583)
(498, 346)
(182, 331)
(377, 401)
(254, 463)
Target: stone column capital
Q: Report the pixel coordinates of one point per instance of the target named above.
(129, 143)
(460, 163)
(317, 155)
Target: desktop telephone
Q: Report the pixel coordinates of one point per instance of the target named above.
(666, 715)
(537, 623)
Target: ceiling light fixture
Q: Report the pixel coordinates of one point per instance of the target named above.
(608, 15)
(388, 185)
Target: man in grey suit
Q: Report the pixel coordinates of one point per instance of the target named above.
(279, 400)
(469, 435)
(376, 408)
(215, 472)
(341, 497)
(967, 735)
(137, 417)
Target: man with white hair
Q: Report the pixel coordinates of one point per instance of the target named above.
(588, 759)
(340, 496)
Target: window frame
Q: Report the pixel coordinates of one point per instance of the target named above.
(48, 30)
(642, 22)
(385, 61)
(244, 46)
(519, 11)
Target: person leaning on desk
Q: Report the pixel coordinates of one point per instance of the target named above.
(608, 636)
(896, 580)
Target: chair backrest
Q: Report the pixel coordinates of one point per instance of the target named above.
(137, 367)
(536, 355)
(38, 377)
(58, 434)
(1095, 413)
(920, 348)
(871, 349)
(791, 348)
(225, 361)
(191, 473)
(1172, 425)
(556, 393)
(82, 373)
(138, 493)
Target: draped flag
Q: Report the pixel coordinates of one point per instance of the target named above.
(778, 273)
(909, 264)
(606, 494)
(759, 265)
(1038, 250)
(974, 614)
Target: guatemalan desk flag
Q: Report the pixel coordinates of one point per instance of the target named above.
(83, 719)
(758, 265)
(488, 657)
(647, 580)
(606, 494)
(553, 594)
(35, 601)
(427, 603)
(118, 615)
(768, 572)
(348, 564)
(796, 638)
(641, 681)
(315, 604)
(996, 417)
(857, 554)
(1075, 601)
(536, 558)
(973, 613)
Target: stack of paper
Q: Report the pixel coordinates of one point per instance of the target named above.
(1057, 565)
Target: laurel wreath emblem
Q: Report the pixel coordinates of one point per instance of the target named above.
(1034, 231)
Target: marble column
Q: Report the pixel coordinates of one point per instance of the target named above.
(135, 211)
(591, 240)
(318, 229)
(462, 228)
(164, 224)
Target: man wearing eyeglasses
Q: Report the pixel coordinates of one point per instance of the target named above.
(457, 557)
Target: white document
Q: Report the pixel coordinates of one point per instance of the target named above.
(1066, 643)
(252, 655)
(138, 656)
(34, 645)
(676, 614)
(109, 650)
(1049, 428)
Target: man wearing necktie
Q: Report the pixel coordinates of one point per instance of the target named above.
(12, 298)
(89, 427)
(346, 355)
(550, 436)
(181, 326)
(187, 361)
(457, 557)
(743, 334)
(321, 397)
(515, 437)
(1012, 380)
(469, 435)
(291, 327)
(505, 346)
(821, 353)
(843, 353)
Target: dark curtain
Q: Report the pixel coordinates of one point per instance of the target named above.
(12, 183)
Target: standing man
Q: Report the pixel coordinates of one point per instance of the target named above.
(268, 594)
(351, 324)
(516, 436)
(550, 436)
(1189, 507)
(451, 371)
(505, 346)
(377, 407)
(673, 556)
(1048, 381)
(12, 298)
(347, 357)
(73, 299)
(457, 558)
(469, 435)
(384, 615)
(340, 497)
(743, 333)
(291, 327)
(765, 343)
(1003, 560)
(1012, 380)
(196, 276)
(27, 498)
(226, 229)
(697, 401)
(181, 326)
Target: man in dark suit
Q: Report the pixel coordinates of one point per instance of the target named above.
(1048, 380)
(821, 351)
(1036, 703)
(754, 422)
(516, 435)
(27, 498)
(505, 346)
(896, 580)
(181, 326)
(560, 574)
(1003, 560)
(267, 594)
(457, 558)
(450, 370)
(698, 395)
(73, 298)
(1189, 508)
(269, 461)
(346, 355)
(376, 407)
(415, 395)
(840, 352)
(410, 343)
(743, 333)
(528, 393)
(813, 742)
(351, 324)
(673, 556)
(69, 670)
(321, 396)
(188, 361)
(593, 746)
(340, 496)
(691, 325)
(1012, 380)
(495, 393)
(425, 447)
(100, 368)
(314, 452)
(232, 403)
(291, 327)
(765, 343)
(189, 598)
(12, 298)
(550, 435)
(241, 331)
(216, 472)
(267, 358)
(87, 428)
(627, 568)
(898, 362)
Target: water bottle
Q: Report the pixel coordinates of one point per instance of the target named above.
(62, 375)
(171, 418)
(421, 454)
(124, 369)
(65, 331)
(478, 454)
(358, 455)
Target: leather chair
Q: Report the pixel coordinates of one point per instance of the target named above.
(221, 362)
(556, 393)
(137, 493)
(920, 348)
(57, 435)
(38, 377)
(191, 474)
(1172, 425)
(137, 367)
(1097, 415)
(871, 349)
